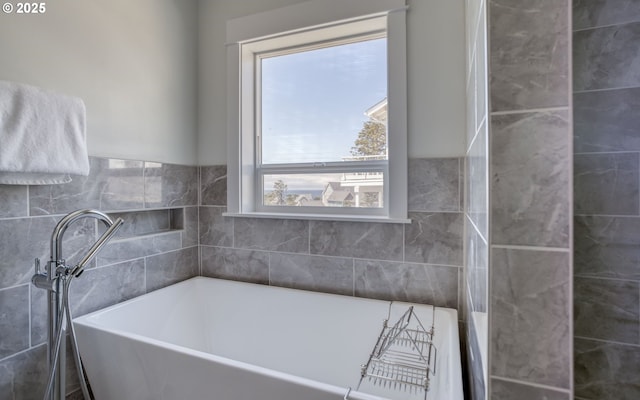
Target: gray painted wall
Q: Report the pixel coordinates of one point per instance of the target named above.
(435, 68)
(154, 81)
(607, 202)
(133, 63)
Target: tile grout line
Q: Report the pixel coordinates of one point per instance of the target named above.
(22, 352)
(198, 220)
(29, 313)
(608, 89)
(269, 268)
(309, 237)
(570, 199)
(404, 247)
(14, 286)
(532, 384)
(353, 277)
(613, 25)
(612, 342)
(608, 152)
(530, 110)
(144, 280)
(531, 248)
(28, 210)
(618, 216)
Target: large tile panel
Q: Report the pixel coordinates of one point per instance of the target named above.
(317, 273)
(529, 54)
(434, 238)
(434, 184)
(190, 226)
(357, 239)
(13, 201)
(170, 185)
(592, 13)
(111, 185)
(607, 247)
(531, 168)
(215, 230)
(416, 283)
(287, 235)
(96, 288)
(103, 287)
(530, 316)
(606, 120)
(606, 371)
(14, 320)
(137, 247)
(169, 268)
(235, 264)
(607, 57)
(505, 390)
(213, 185)
(27, 238)
(24, 376)
(607, 309)
(607, 183)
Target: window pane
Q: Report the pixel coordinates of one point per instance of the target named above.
(353, 189)
(316, 103)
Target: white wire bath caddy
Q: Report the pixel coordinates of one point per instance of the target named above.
(404, 356)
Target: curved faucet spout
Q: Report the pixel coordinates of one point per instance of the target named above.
(61, 228)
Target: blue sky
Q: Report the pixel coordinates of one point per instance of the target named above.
(313, 103)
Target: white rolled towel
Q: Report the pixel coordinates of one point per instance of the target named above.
(42, 136)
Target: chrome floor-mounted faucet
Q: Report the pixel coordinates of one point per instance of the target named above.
(55, 280)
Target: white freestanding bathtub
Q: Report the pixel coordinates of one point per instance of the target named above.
(222, 340)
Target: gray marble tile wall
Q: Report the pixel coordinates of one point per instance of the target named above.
(476, 234)
(607, 198)
(530, 223)
(418, 262)
(157, 246)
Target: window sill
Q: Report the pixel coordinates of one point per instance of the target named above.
(317, 217)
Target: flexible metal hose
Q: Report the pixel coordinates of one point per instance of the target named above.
(66, 283)
(56, 356)
(74, 342)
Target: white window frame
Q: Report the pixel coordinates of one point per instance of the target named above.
(308, 23)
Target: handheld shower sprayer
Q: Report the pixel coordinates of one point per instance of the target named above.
(97, 246)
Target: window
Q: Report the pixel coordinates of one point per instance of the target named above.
(317, 112)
